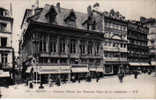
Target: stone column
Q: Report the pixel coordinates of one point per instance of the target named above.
(69, 77)
(47, 43)
(93, 48)
(67, 51)
(58, 45)
(86, 48)
(0, 57)
(78, 48)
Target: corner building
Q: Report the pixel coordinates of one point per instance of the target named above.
(55, 43)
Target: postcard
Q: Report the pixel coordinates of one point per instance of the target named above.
(92, 49)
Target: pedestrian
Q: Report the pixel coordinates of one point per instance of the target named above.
(31, 85)
(58, 82)
(149, 72)
(41, 86)
(50, 82)
(97, 78)
(136, 74)
(79, 79)
(121, 76)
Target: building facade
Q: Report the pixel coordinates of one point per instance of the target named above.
(60, 44)
(113, 27)
(151, 24)
(138, 50)
(6, 50)
(115, 42)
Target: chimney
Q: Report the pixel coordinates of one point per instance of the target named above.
(89, 10)
(96, 6)
(58, 7)
(33, 10)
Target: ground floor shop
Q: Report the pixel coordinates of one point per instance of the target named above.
(63, 74)
(140, 66)
(5, 79)
(113, 68)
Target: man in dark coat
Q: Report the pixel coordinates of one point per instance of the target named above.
(121, 76)
(136, 74)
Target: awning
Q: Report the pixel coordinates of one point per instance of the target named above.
(100, 69)
(65, 69)
(145, 64)
(134, 64)
(80, 69)
(4, 74)
(153, 63)
(139, 64)
(54, 69)
(49, 69)
(92, 68)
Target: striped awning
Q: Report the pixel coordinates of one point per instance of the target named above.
(92, 68)
(4, 74)
(54, 69)
(50, 69)
(134, 64)
(145, 64)
(100, 69)
(80, 69)
(138, 64)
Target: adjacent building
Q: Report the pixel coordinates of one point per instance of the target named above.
(113, 27)
(115, 42)
(151, 24)
(138, 51)
(6, 50)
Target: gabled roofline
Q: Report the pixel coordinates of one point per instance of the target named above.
(24, 17)
(66, 28)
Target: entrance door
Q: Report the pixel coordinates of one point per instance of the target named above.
(115, 69)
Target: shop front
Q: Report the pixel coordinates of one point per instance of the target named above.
(153, 66)
(92, 71)
(113, 68)
(108, 69)
(100, 72)
(79, 72)
(138, 66)
(46, 73)
(4, 78)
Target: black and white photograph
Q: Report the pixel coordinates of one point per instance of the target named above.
(93, 49)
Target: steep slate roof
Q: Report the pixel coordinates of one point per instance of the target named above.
(80, 17)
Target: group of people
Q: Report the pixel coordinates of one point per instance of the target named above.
(121, 74)
(56, 81)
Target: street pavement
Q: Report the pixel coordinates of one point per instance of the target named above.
(107, 87)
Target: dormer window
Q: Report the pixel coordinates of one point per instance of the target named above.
(51, 15)
(70, 20)
(2, 27)
(3, 12)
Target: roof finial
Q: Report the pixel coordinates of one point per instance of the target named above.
(37, 3)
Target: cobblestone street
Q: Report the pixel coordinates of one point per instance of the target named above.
(108, 87)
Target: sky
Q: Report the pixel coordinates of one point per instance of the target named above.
(131, 9)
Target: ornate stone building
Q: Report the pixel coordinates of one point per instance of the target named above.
(138, 56)
(6, 50)
(115, 42)
(60, 42)
(151, 24)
